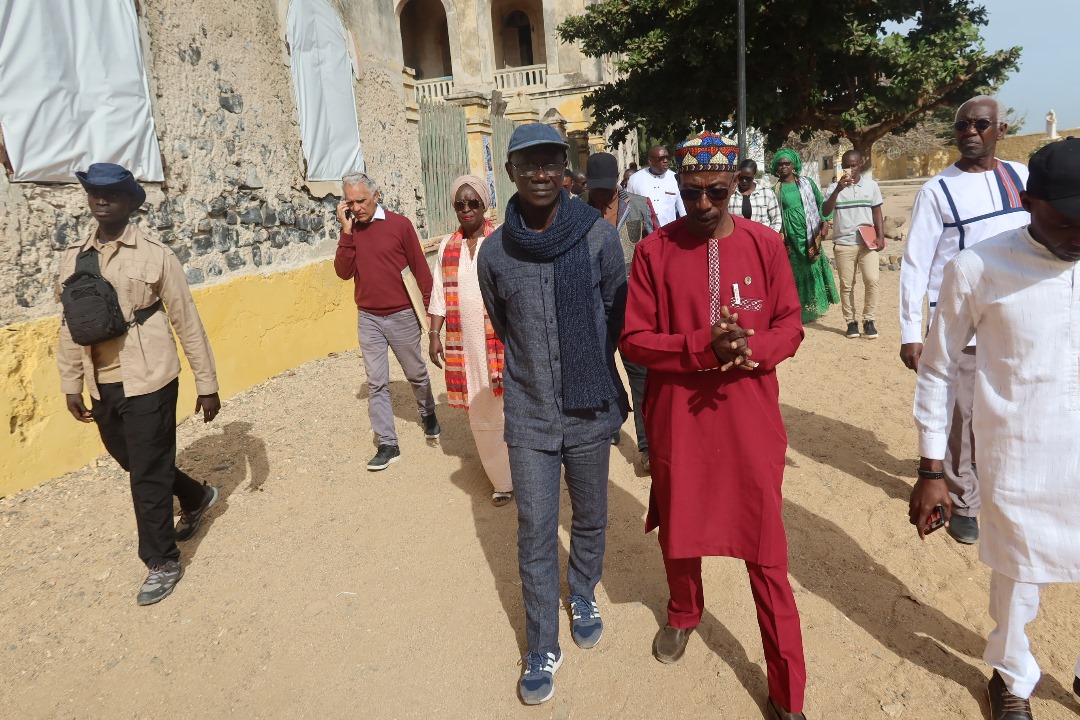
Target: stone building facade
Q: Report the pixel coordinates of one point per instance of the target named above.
(254, 236)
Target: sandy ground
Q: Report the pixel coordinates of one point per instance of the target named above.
(318, 590)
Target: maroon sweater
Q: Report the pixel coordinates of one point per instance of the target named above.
(374, 256)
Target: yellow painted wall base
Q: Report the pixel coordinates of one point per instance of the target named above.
(258, 325)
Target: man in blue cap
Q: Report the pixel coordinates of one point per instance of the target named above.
(554, 282)
(1018, 292)
(133, 375)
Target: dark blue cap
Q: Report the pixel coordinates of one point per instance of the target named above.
(113, 177)
(529, 134)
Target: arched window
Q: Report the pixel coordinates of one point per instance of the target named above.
(425, 39)
(74, 90)
(323, 84)
(520, 35)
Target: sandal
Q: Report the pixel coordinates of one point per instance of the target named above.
(498, 499)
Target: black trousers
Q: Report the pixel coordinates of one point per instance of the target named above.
(140, 433)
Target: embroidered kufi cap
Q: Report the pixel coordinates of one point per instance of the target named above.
(707, 152)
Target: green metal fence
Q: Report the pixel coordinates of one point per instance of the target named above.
(444, 156)
(501, 130)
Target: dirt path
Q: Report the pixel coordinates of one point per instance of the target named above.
(318, 590)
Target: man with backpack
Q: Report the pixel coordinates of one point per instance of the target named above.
(114, 338)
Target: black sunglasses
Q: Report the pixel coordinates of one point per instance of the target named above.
(982, 124)
(692, 195)
(555, 169)
(473, 204)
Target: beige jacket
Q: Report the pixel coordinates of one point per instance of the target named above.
(142, 270)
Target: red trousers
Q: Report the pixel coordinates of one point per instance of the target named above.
(777, 615)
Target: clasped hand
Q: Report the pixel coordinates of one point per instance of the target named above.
(729, 342)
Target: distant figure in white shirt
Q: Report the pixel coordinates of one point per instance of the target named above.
(659, 184)
(975, 198)
(1020, 292)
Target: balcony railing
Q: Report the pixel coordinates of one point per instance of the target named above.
(434, 90)
(526, 76)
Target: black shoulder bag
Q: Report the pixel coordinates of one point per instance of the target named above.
(91, 308)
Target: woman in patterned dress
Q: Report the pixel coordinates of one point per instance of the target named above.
(472, 355)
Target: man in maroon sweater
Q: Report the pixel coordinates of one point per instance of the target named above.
(375, 246)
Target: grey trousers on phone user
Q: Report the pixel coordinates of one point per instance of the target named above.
(399, 332)
(960, 473)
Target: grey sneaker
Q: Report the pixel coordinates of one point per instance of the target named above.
(869, 330)
(963, 529)
(586, 627)
(189, 521)
(386, 455)
(160, 582)
(538, 682)
(432, 429)
(853, 330)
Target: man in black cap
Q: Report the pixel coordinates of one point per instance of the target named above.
(1020, 292)
(554, 284)
(133, 377)
(633, 218)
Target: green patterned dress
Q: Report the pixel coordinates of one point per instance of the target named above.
(813, 279)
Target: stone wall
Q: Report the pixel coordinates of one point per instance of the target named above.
(234, 199)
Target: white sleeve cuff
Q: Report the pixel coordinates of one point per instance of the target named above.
(932, 445)
(911, 332)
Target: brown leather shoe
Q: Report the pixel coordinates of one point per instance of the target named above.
(670, 643)
(1003, 704)
(778, 713)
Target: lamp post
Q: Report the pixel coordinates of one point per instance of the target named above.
(742, 79)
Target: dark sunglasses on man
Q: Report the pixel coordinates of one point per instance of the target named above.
(981, 125)
(714, 192)
(472, 204)
(551, 169)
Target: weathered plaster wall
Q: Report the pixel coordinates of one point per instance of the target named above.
(234, 199)
(254, 240)
(258, 325)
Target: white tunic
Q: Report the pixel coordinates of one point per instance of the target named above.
(1025, 305)
(662, 190)
(953, 210)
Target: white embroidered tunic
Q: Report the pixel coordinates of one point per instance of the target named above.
(1024, 303)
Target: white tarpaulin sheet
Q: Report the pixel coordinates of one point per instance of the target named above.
(323, 84)
(73, 90)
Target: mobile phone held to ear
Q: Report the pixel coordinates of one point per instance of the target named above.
(936, 521)
(348, 215)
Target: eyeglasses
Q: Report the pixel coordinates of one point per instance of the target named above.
(982, 124)
(551, 169)
(663, 158)
(473, 204)
(692, 195)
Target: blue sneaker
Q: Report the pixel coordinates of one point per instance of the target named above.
(585, 623)
(538, 683)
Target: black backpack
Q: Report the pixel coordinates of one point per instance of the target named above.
(91, 308)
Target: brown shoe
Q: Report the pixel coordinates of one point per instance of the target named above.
(778, 713)
(1003, 704)
(670, 643)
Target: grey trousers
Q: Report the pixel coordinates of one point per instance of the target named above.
(960, 474)
(399, 332)
(536, 475)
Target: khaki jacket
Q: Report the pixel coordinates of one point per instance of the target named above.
(142, 270)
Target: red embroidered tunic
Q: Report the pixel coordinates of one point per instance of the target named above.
(716, 439)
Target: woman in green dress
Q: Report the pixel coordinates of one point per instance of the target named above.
(800, 208)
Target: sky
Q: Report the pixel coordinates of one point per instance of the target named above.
(1049, 74)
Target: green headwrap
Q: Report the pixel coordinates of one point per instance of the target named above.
(787, 154)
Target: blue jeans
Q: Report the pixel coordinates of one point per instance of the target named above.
(536, 475)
